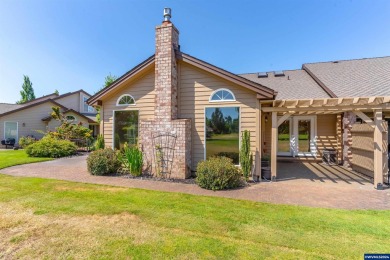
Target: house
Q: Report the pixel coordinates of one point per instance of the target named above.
(33, 118)
(324, 107)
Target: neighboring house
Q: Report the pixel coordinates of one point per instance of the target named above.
(297, 113)
(33, 118)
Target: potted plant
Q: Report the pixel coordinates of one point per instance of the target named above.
(265, 167)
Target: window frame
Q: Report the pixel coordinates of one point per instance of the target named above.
(17, 130)
(113, 123)
(205, 127)
(89, 109)
(122, 105)
(71, 121)
(222, 89)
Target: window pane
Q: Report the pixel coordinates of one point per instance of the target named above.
(222, 132)
(284, 137)
(125, 128)
(304, 135)
(11, 130)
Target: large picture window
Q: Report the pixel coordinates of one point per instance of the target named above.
(11, 130)
(222, 132)
(125, 128)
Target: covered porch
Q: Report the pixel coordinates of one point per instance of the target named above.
(370, 149)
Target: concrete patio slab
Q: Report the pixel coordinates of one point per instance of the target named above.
(307, 184)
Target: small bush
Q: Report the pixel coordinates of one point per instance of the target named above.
(103, 162)
(25, 141)
(51, 147)
(99, 143)
(218, 173)
(132, 160)
(231, 155)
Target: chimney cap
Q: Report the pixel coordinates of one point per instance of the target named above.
(167, 14)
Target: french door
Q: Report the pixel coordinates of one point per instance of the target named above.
(297, 136)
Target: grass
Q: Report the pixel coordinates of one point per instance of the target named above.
(16, 157)
(222, 143)
(42, 218)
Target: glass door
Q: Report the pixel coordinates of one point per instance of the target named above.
(304, 134)
(284, 138)
(11, 130)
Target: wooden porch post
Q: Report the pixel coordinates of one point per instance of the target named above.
(258, 140)
(378, 150)
(274, 145)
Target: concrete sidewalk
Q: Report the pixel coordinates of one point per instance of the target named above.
(294, 192)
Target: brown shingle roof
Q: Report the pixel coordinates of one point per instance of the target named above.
(354, 78)
(294, 85)
(4, 107)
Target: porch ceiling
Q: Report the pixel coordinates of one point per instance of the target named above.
(326, 105)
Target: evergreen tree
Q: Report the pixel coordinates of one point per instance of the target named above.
(27, 92)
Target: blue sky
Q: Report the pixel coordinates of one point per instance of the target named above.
(72, 44)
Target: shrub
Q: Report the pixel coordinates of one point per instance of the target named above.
(218, 173)
(102, 162)
(51, 147)
(132, 160)
(246, 158)
(231, 155)
(99, 143)
(25, 141)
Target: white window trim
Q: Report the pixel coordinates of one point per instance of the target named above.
(219, 101)
(17, 130)
(239, 127)
(125, 105)
(70, 121)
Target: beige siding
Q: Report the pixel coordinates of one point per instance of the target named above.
(52, 124)
(195, 88)
(31, 117)
(143, 92)
(71, 102)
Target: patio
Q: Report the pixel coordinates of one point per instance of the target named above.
(320, 173)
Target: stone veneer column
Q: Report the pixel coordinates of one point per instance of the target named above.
(348, 120)
(166, 112)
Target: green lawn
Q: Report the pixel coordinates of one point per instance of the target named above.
(15, 157)
(42, 218)
(222, 143)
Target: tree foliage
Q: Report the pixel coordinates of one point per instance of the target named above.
(27, 92)
(246, 158)
(109, 79)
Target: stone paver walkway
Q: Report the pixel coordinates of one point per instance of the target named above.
(294, 189)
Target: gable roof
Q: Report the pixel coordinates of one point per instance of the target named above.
(5, 107)
(353, 78)
(134, 71)
(294, 84)
(32, 105)
(46, 97)
(71, 93)
(88, 118)
(262, 91)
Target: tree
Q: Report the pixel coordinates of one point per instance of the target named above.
(27, 92)
(109, 79)
(218, 121)
(56, 92)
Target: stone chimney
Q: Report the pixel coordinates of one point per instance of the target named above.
(166, 122)
(167, 42)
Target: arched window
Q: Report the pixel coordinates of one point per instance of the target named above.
(70, 119)
(125, 100)
(222, 95)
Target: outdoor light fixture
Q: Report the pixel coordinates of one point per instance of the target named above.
(167, 14)
(23, 124)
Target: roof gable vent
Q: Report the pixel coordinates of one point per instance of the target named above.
(279, 73)
(262, 75)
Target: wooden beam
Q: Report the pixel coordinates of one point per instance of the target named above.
(283, 118)
(327, 108)
(378, 150)
(274, 145)
(258, 141)
(364, 117)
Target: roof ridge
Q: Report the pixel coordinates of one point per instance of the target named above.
(35, 99)
(332, 61)
(268, 71)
